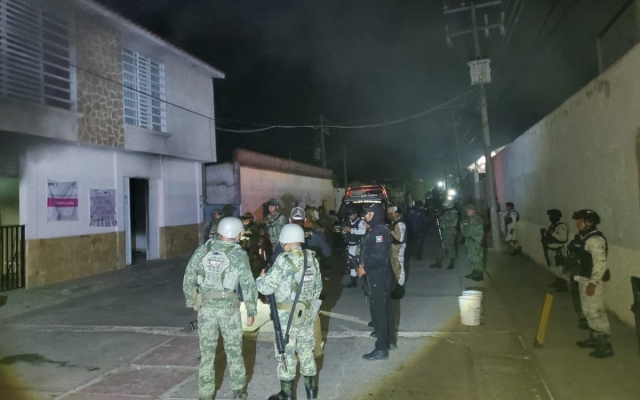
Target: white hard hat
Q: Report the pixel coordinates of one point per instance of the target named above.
(291, 233)
(230, 227)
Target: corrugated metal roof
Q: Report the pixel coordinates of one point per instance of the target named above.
(114, 16)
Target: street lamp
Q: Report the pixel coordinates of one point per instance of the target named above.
(440, 184)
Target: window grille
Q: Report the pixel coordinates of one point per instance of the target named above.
(143, 91)
(35, 56)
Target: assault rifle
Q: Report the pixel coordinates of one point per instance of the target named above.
(545, 248)
(440, 232)
(275, 318)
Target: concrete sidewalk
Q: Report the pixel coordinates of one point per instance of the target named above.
(132, 341)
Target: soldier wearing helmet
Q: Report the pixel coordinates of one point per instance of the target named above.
(589, 250)
(353, 231)
(250, 241)
(274, 221)
(210, 284)
(448, 225)
(288, 279)
(555, 238)
(473, 231)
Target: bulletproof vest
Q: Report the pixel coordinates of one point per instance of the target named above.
(582, 257)
(450, 219)
(393, 228)
(350, 238)
(552, 228)
(508, 220)
(218, 274)
(309, 282)
(271, 221)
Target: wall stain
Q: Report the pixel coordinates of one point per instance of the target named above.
(37, 359)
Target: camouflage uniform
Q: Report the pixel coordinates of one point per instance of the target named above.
(398, 246)
(473, 231)
(593, 306)
(211, 230)
(216, 268)
(556, 237)
(274, 223)
(449, 228)
(282, 280)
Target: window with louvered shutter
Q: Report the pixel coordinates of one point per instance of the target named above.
(35, 56)
(143, 91)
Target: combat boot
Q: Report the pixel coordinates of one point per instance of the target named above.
(310, 387)
(558, 283)
(240, 394)
(286, 391)
(471, 275)
(452, 265)
(437, 264)
(591, 343)
(352, 284)
(603, 348)
(479, 276)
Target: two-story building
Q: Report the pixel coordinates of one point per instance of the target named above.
(104, 129)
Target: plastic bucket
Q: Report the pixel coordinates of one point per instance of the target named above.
(476, 293)
(470, 310)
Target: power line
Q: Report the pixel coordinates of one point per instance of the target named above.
(510, 30)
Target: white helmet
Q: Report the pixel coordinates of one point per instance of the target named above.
(230, 227)
(291, 233)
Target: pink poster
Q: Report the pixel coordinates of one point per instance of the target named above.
(62, 201)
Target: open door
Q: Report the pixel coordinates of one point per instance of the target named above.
(127, 219)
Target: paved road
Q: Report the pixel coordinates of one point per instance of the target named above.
(133, 342)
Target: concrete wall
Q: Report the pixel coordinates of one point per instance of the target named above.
(9, 201)
(58, 251)
(257, 186)
(586, 154)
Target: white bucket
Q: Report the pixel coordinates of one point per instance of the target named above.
(470, 310)
(476, 293)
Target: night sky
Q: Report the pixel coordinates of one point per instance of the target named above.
(368, 61)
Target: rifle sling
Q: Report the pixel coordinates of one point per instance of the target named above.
(295, 300)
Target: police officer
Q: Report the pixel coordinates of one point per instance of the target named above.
(209, 286)
(589, 248)
(555, 238)
(283, 280)
(375, 264)
(417, 221)
(274, 221)
(353, 231)
(511, 221)
(398, 244)
(449, 231)
(212, 227)
(473, 231)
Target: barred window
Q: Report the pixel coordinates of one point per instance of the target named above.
(143, 91)
(35, 56)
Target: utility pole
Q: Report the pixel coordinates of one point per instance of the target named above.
(344, 162)
(322, 133)
(480, 74)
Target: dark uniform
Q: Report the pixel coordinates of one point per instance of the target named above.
(417, 221)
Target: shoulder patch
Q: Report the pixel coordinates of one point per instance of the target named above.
(379, 239)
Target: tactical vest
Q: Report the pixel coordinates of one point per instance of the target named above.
(393, 228)
(218, 276)
(351, 239)
(508, 220)
(551, 239)
(583, 258)
(308, 283)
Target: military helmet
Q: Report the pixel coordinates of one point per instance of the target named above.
(470, 207)
(273, 202)
(297, 214)
(248, 215)
(312, 214)
(230, 227)
(291, 233)
(554, 213)
(588, 216)
(447, 204)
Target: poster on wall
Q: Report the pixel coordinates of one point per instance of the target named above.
(62, 201)
(102, 207)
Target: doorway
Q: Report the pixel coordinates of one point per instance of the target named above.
(139, 217)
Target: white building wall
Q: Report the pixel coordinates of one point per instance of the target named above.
(257, 186)
(586, 154)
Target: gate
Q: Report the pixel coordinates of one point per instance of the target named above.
(13, 260)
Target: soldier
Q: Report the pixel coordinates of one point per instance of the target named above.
(211, 228)
(209, 285)
(473, 232)
(511, 221)
(417, 221)
(274, 221)
(398, 244)
(555, 238)
(589, 248)
(449, 231)
(250, 241)
(353, 231)
(327, 221)
(287, 279)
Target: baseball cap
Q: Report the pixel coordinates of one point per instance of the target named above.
(297, 214)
